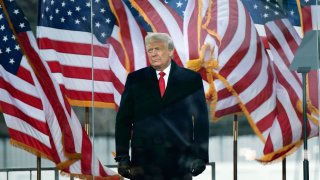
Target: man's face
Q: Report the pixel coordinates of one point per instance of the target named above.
(159, 55)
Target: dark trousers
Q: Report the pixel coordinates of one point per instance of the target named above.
(157, 174)
(149, 169)
(161, 178)
(158, 164)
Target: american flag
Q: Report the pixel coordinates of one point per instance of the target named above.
(76, 54)
(286, 131)
(43, 121)
(243, 79)
(20, 100)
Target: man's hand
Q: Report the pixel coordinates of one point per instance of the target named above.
(198, 166)
(124, 166)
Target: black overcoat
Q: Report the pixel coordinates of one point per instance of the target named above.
(165, 132)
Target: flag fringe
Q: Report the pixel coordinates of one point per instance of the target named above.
(300, 15)
(208, 65)
(283, 152)
(194, 64)
(80, 103)
(208, 15)
(206, 24)
(311, 109)
(38, 153)
(29, 149)
(65, 164)
(72, 156)
(90, 177)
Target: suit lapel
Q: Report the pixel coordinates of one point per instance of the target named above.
(153, 86)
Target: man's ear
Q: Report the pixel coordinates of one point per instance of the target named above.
(171, 53)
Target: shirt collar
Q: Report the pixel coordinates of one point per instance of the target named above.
(166, 70)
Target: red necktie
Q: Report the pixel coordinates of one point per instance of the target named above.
(162, 84)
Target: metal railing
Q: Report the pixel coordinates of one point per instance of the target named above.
(56, 171)
(30, 170)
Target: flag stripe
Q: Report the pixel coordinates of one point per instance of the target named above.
(99, 97)
(117, 48)
(242, 41)
(63, 35)
(70, 72)
(75, 60)
(313, 86)
(30, 141)
(17, 124)
(86, 162)
(228, 110)
(266, 122)
(38, 124)
(20, 94)
(263, 96)
(286, 132)
(190, 30)
(24, 74)
(232, 22)
(69, 47)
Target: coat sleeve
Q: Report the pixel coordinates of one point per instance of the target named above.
(201, 123)
(124, 120)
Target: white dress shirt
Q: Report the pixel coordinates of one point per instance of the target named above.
(166, 77)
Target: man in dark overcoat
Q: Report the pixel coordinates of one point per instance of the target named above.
(163, 117)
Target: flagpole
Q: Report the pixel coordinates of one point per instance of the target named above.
(235, 147)
(87, 121)
(86, 126)
(304, 71)
(92, 93)
(38, 168)
(284, 169)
